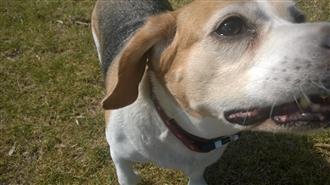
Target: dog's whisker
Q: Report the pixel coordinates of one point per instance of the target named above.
(272, 110)
(304, 95)
(244, 122)
(298, 104)
(321, 86)
(324, 87)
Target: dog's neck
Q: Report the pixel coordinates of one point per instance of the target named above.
(205, 127)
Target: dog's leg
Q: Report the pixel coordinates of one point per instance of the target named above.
(124, 169)
(125, 172)
(197, 178)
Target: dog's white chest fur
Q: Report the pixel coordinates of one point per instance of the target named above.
(137, 133)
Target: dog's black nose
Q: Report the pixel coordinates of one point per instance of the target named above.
(325, 43)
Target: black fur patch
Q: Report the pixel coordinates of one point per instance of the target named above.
(119, 19)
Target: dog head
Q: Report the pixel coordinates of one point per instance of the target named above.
(250, 64)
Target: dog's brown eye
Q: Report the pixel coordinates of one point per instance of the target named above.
(231, 27)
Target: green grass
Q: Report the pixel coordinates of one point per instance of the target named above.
(52, 127)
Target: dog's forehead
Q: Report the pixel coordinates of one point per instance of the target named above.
(200, 18)
(201, 11)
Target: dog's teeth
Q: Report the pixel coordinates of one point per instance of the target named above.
(304, 114)
(232, 116)
(282, 118)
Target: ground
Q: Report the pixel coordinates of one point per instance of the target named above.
(51, 122)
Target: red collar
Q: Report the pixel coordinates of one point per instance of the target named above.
(191, 141)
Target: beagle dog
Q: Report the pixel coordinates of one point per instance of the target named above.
(181, 85)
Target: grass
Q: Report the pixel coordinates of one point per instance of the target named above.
(52, 127)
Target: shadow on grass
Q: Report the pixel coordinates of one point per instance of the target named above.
(267, 159)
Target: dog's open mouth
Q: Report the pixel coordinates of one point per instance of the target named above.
(313, 108)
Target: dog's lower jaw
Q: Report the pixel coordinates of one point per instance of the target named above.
(136, 134)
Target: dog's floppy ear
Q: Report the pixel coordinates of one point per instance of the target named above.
(132, 60)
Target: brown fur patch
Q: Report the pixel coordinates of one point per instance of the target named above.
(171, 68)
(129, 66)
